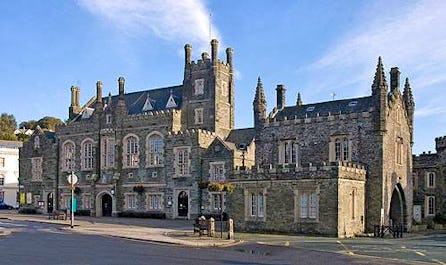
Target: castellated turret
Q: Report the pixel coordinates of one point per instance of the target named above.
(208, 91)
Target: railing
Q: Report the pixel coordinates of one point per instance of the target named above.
(396, 230)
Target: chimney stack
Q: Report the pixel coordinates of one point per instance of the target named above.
(214, 51)
(229, 52)
(121, 82)
(280, 90)
(394, 79)
(99, 95)
(188, 54)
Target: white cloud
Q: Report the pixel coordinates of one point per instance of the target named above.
(429, 110)
(414, 39)
(185, 20)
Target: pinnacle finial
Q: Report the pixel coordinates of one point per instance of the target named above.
(299, 100)
(379, 81)
(407, 93)
(260, 96)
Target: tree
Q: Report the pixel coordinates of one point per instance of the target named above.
(7, 127)
(49, 123)
(31, 124)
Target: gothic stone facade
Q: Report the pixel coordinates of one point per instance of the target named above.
(430, 182)
(333, 168)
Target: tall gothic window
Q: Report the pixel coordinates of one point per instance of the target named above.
(107, 152)
(131, 151)
(68, 156)
(257, 204)
(182, 162)
(155, 150)
(288, 152)
(36, 169)
(87, 155)
(430, 179)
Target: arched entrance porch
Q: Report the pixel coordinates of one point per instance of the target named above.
(398, 210)
(104, 204)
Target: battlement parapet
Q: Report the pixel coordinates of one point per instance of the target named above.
(440, 143)
(339, 169)
(273, 121)
(189, 132)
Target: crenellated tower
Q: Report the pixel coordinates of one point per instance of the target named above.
(208, 92)
(259, 106)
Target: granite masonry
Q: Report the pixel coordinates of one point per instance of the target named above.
(334, 168)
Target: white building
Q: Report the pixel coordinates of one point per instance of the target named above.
(9, 171)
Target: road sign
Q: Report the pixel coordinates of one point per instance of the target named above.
(72, 205)
(72, 178)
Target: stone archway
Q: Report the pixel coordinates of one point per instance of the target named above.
(398, 210)
(105, 205)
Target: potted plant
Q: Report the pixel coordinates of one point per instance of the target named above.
(139, 189)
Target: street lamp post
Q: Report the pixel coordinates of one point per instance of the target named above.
(72, 179)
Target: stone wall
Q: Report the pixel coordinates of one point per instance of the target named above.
(283, 186)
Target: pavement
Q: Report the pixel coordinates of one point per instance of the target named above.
(177, 232)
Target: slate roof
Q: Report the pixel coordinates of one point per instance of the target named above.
(241, 136)
(158, 98)
(323, 108)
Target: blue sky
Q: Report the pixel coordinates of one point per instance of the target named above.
(314, 47)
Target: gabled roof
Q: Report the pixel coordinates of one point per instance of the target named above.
(323, 108)
(241, 136)
(159, 98)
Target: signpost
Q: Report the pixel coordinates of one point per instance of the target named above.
(72, 179)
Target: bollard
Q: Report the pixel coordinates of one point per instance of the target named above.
(230, 228)
(211, 227)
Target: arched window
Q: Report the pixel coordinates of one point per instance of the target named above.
(87, 154)
(68, 156)
(155, 150)
(289, 152)
(131, 151)
(36, 142)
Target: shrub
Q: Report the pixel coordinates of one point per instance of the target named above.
(133, 214)
(83, 212)
(28, 210)
(138, 188)
(440, 218)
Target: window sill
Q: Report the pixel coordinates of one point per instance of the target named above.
(155, 166)
(307, 220)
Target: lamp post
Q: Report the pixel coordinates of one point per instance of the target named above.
(72, 179)
(221, 214)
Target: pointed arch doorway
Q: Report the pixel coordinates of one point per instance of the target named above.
(398, 210)
(183, 204)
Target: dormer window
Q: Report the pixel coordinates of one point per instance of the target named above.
(353, 103)
(199, 86)
(311, 108)
(147, 105)
(171, 101)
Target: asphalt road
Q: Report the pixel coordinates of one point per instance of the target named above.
(423, 249)
(38, 243)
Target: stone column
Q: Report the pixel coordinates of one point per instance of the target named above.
(212, 227)
(230, 228)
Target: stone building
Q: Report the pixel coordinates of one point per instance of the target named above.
(429, 174)
(38, 170)
(332, 168)
(9, 172)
